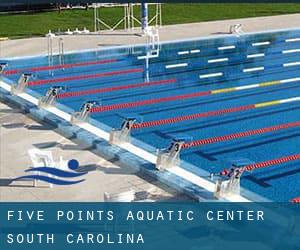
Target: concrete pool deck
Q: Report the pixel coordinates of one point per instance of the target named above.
(108, 177)
(19, 133)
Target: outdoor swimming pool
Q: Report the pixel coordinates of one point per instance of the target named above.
(235, 98)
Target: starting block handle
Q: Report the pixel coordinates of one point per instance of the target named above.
(84, 113)
(50, 97)
(3, 65)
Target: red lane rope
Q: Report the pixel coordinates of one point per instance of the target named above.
(71, 78)
(296, 200)
(110, 89)
(271, 162)
(65, 66)
(240, 134)
(265, 164)
(148, 102)
(191, 117)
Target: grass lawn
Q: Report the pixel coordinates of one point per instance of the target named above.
(25, 25)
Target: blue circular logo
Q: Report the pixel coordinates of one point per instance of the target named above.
(73, 164)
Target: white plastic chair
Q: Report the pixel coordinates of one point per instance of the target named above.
(40, 158)
(50, 34)
(128, 196)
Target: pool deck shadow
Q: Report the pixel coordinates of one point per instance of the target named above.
(9, 182)
(107, 170)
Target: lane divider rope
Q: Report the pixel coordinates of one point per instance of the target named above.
(147, 102)
(296, 200)
(211, 113)
(216, 139)
(110, 89)
(80, 77)
(264, 164)
(268, 163)
(188, 96)
(65, 66)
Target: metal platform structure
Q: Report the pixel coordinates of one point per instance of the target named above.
(129, 20)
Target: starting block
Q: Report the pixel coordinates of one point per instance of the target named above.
(3, 65)
(231, 185)
(84, 113)
(49, 98)
(22, 84)
(122, 135)
(170, 157)
(236, 29)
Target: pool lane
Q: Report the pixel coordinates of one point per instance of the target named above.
(187, 106)
(200, 64)
(239, 53)
(185, 86)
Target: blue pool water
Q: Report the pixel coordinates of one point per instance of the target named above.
(237, 61)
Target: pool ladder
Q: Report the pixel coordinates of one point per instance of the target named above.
(153, 47)
(50, 53)
(61, 53)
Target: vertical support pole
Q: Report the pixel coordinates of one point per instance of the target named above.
(160, 15)
(156, 14)
(125, 15)
(95, 17)
(144, 9)
(147, 71)
(132, 15)
(128, 16)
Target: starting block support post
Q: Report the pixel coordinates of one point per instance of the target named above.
(84, 113)
(50, 97)
(22, 84)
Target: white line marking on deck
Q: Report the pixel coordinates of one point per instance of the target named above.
(290, 51)
(290, 80)
(253, 69)
(179, 65)
(183, 52)
(226, 47)
(261, 43)
(59, 113)
(256, 55)
(211, 75)
(5, 86)
(290, 99)
(292, 40)
(247, 87)
(195, 51)
(218, 60)
(291, 64)
(145, 57)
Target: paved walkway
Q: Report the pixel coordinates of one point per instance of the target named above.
(35, 46)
